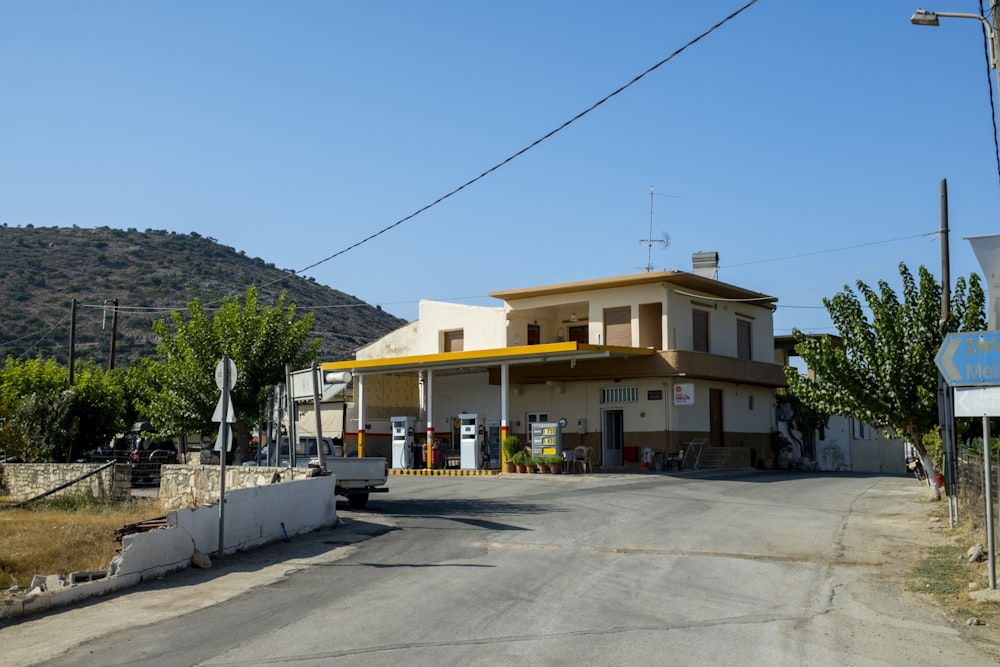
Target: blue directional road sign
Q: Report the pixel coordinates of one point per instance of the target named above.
(971, 358)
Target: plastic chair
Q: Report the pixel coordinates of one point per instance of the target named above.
(582, 459)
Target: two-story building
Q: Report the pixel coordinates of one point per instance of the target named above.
(651, 360)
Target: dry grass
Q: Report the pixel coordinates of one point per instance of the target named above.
(64, 535)
(944, 577)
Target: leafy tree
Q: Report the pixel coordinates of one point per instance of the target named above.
(260, 341)
(47, 419)
(884, 372)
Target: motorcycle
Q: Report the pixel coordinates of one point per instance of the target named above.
(916, 466)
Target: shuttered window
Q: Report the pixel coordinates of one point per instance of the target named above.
(744, 339)
(699, 320)
(454, 341)
(618, 326)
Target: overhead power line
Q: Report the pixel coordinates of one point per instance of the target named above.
(527, 148)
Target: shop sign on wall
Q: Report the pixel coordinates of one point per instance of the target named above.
(684, 394)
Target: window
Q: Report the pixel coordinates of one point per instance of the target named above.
(860, 430)
(700, 330)
(744, 339)
(620, 395)
(454, 341)
(618, 326)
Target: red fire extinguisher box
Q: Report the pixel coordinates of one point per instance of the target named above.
(631, 453)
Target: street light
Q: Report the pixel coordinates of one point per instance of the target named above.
(924, 17)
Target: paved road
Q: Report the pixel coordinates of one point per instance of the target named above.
(650, 569)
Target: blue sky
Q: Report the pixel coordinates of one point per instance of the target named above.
(804, 142)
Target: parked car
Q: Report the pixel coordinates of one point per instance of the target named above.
(305, 451)
(147, 452)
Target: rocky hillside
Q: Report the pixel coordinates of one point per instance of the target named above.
(42, 269)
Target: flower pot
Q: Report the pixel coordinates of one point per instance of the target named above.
(521, 467)
(554, 468)
(509, 467)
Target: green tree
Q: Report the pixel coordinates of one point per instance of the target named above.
(883, 373)
(260, 341)
(48, 420)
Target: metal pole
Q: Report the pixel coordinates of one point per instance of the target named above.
(223, 450)
(320, 456)
(988, 480)
(274, 444)
(293, 433)
(430, 421)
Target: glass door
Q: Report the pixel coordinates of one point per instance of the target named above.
(612, 437)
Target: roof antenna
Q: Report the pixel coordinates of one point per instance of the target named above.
(649, 240)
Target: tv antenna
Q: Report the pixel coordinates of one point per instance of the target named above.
(649, 240)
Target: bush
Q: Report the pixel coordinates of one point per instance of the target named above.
(511, 446)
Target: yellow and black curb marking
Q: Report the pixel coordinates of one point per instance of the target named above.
(443, 473)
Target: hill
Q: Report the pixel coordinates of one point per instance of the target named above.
(151, 273)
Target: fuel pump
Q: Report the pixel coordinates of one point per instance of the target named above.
(472, 431)
(403, 440)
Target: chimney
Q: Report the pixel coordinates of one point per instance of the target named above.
(705, 264)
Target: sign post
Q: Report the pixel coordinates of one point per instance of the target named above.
(970, 364)
(225, 378)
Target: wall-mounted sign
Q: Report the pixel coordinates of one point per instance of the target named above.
(684, 394)
(654, 395)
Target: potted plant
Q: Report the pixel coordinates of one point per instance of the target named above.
(554, 462)
(782, 447)
(511, 446)
(519, 459)
(541, 463)
(529, 464)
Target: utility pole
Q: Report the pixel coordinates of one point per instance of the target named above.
(72, 340)
(114, 333)
(945, 409)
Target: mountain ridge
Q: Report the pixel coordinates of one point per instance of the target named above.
(150, 274)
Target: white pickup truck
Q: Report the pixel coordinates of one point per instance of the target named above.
(356, 477)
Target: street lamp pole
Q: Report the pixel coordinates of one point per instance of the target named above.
(924, 17)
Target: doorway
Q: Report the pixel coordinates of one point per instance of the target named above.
(612, 437)
(715, 417)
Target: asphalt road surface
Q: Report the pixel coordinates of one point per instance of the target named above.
(605, 569)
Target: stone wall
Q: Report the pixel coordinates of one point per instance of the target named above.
(23, 481)
(198, 485)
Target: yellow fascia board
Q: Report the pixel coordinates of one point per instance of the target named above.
(562, 351)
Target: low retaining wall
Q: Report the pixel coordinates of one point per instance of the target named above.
(253, 517)
(22, 481)
(198, 485)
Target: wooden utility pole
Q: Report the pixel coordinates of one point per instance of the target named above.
(946, 412)
(114, 333)
(72, 340)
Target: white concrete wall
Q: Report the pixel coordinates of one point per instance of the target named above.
(253, 517)
(483, 328)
